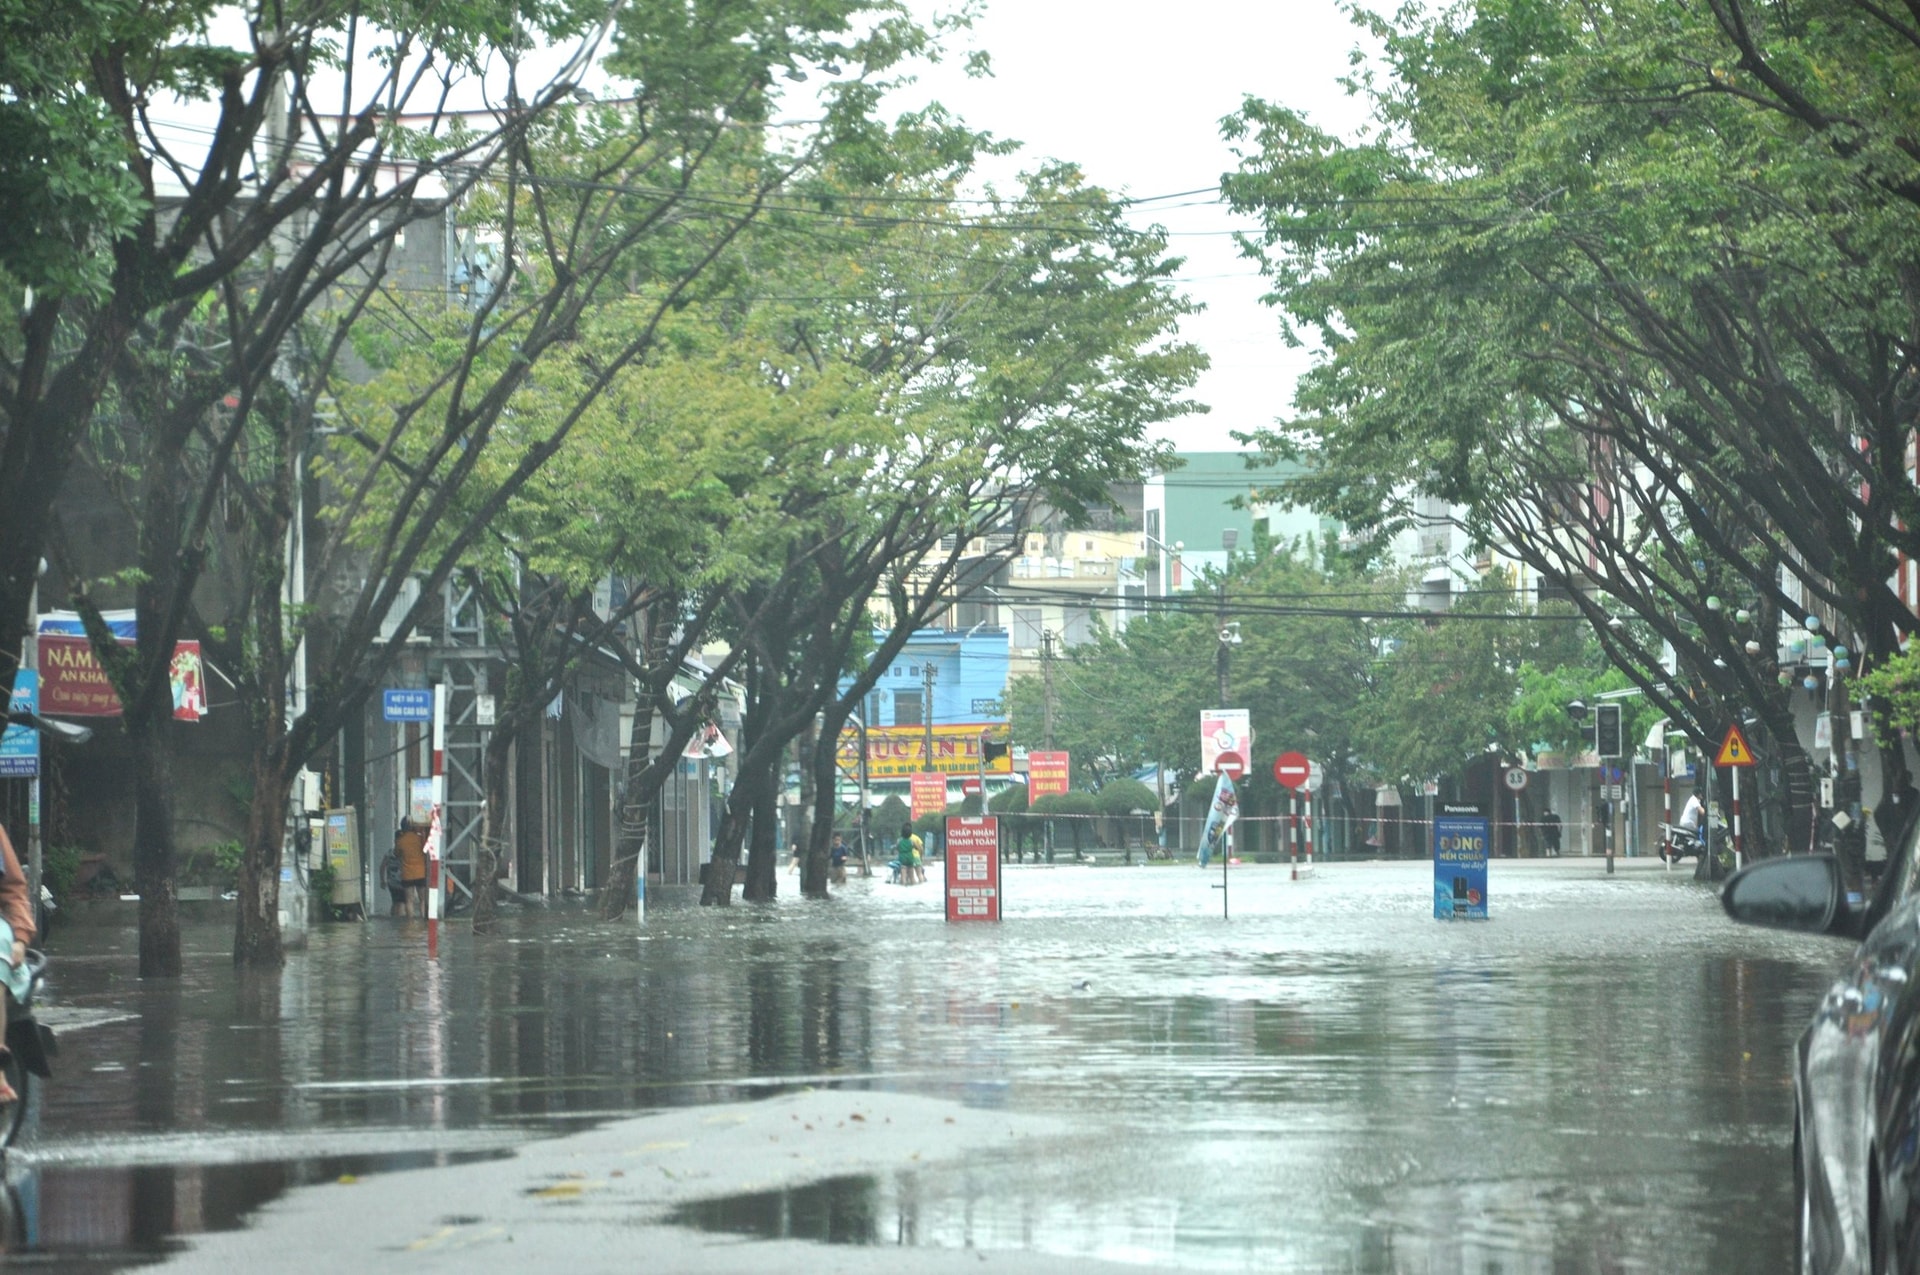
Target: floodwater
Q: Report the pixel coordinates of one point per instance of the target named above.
(1598, 1079)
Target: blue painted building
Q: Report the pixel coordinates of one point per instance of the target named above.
(968, 683)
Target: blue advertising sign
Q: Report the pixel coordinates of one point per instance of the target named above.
(406, 706)
(20, 745)
(1460, 840)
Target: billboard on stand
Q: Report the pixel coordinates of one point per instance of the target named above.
(973, 868)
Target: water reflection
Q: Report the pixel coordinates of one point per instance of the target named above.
(1595, 1080)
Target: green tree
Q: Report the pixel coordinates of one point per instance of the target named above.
(1625, 283)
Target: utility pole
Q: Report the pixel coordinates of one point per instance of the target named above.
(1046, 680)
(1220, 660)
(926, 707)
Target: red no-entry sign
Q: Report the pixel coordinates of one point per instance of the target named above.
(1292, 770)
(1232, 765)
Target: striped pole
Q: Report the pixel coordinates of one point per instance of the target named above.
(1308, 825)
(1293, 832)
(1737, 860)
(1666, 800)
(437, 833)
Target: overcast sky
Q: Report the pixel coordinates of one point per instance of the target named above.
(1134, 91)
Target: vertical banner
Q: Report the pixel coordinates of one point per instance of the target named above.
(973, 868)
(20, 745)
(1221, 816)
(1047, 774)
(929, 794)
(1460, 837)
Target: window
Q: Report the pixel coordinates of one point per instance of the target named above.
(1079, 626)
(1026, 628)
(907, 709)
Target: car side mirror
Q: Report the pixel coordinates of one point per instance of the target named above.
(1804, 892)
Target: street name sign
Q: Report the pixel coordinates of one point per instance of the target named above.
(973, 868)
(406, 705)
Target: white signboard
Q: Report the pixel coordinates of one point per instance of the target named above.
(1224, 730)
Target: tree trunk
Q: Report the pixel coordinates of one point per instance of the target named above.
(725, 863)
(153, 856)
(763, 851)
(257, 939)
(636, 820)
(494, 771)
(823, 769)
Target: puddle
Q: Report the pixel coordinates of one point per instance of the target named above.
(842, 1210)
(106, 1217)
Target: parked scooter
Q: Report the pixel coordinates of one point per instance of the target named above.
(30, 1046)
(1677, 843)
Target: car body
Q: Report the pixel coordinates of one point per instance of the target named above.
(1856, 1139)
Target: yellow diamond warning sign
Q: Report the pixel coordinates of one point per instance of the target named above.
(1734, 749)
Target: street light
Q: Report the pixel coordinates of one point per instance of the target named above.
(1173, 557)
(860, 724)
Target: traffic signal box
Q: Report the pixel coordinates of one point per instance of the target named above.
(1607, 741)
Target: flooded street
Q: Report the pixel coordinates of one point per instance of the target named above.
(1597, 1079)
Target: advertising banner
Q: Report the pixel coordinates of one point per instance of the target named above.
(74, 685)
(20, 745)
(895, 752)
(973, 868)
(929, 794)
(1047, 774)
(1222, 814)
(1224, 730)
(1460, 839)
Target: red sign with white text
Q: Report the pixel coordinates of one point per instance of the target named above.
(973, 868)
(1047, 774)
(929, 795)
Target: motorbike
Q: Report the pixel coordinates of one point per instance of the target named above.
(30, 1049)
(1680, 841)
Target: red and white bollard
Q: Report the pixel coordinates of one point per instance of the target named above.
(436, 832)
(1307, 829)
(1293, 833)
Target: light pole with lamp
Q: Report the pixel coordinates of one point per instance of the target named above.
(1168, 572)
(860, 725)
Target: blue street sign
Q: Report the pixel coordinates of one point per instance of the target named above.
(1460, 839)
(20, 745)
(406, 706)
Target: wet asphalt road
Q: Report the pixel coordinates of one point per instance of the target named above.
(1597, 1079)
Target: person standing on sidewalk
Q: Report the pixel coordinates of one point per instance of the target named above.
(1550, 831)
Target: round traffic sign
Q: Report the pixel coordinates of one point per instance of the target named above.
(1517, 778)
(1232, 765)
(1292, 769)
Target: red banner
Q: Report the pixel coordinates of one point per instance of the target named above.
(973, 868)
(1047, 773)
(72, 683)
(929, 794)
